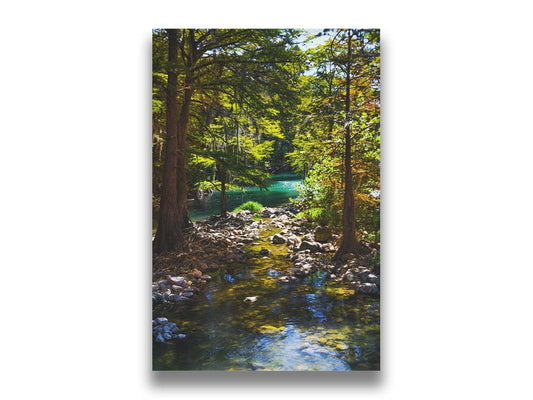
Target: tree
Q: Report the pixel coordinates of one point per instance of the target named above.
(337, 145)
(169, 236)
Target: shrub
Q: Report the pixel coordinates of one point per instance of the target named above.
(317, 215)
(252, 206)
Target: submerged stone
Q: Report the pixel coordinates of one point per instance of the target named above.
(265, 252)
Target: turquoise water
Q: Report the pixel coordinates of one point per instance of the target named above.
(282, 188)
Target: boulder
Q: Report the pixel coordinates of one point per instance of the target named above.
(294, 240)
(278, 239)
(322, 234)
(158, 298)
(368, 288)
(308, 237)
(372, 278)
(311, 246)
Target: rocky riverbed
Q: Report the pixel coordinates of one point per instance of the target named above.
(214, 243)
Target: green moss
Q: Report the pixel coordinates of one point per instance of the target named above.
(252, 206)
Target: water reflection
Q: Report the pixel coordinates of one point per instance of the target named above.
(314, 325)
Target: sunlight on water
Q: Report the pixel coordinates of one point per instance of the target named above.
(312, 325)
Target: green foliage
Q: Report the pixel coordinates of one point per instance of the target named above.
(215, 185)
(252, 206)
(316, 215)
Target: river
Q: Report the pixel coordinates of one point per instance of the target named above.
(313, 325)
(282, 187)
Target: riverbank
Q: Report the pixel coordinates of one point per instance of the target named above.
(216, 242)
(273, 251)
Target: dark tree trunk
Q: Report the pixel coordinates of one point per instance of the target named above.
(223, 173)
(349, 240)
(182, 156)
(183, 126)
(169, 235)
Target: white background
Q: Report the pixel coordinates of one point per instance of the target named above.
(75, 203)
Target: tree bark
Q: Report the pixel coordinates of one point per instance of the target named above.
(183, 126)
(349, 240)
(181, 177)
(169, 235)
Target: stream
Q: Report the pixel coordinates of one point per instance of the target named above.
(281, 188)
(310, 325)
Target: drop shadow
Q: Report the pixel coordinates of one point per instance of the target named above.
(251, 379)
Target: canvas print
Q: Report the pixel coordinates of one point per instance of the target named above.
(266, 199)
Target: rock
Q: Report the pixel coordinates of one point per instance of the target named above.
(349, 276)
(322, 234)
(159, 338)
(159, 321)
(251, 299)
(265, 252)
(308, 237)
(158, 298)
(188, 294)
(155, 288)
(181, 336)
(206, 277)
(372, 308)
(176, 280)
(172, 327)
(176, 298)
(372, 278)
(278, 239)
(311, 246)
(196, 274)
(328, 248)
(368, 288)
(294, 240)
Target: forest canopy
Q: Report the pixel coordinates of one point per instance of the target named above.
(231, 107)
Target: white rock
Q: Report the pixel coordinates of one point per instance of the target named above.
(160, 321)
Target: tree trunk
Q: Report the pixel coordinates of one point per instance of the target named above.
(349, 240)
(183, 126)
(181, 177)
(169, 235)
(223, 173)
